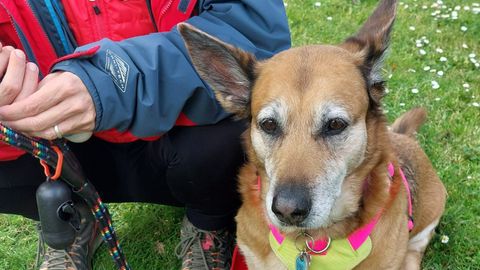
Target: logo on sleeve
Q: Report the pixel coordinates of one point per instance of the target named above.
(118, 70)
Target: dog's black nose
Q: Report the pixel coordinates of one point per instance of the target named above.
(291, 203)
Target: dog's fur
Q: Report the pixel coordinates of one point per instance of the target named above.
(318, 137)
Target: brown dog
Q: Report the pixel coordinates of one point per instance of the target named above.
(319, 152)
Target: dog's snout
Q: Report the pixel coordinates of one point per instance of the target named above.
(291, 203)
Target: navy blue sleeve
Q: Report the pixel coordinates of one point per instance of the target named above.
(142, 84)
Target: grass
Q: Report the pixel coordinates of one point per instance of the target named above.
(451, 137)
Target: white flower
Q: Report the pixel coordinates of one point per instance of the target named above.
(424, 7)
(411, 70)
(472, 55)
(476, 104)
(412, 28)
(443, 59)
(419, 45)
(427, 68)
(466, 85)
(415, 90)
(439, 31)
(318, 4)
(463, 28)
(465, 46)
(466, 8)
(402, 104)
(422, 52)
(477, 65)
(329, 18)
(440, 73)
(444, 239)
(439, 50)
(437, 99)
(435, 85)
(458, 8)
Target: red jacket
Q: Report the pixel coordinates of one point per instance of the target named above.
(143, 86)
(89, 21)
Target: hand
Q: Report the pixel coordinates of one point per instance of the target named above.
(18, 78)
(61, 99)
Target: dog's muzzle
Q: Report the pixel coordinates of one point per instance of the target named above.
(291, 203)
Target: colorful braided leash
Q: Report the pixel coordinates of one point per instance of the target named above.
(56, 154)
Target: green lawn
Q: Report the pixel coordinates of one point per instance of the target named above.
(448, 87)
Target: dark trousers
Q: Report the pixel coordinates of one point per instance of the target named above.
(195, 167)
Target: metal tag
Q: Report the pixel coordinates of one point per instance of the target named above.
(303, 261)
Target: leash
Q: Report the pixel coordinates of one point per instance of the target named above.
(57, 155)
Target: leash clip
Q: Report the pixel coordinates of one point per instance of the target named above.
(58, 167)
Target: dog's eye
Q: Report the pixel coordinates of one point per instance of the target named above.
(269, 125)
(335, 126)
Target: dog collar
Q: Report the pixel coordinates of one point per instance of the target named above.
(338, 253)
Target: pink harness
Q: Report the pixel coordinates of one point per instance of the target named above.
(359, 236)
(356, 239)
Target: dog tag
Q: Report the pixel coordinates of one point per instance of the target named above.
(303, 261)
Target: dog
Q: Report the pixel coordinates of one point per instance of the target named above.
(327, 184)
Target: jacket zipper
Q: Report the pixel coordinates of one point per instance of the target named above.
(12, 22)
(164, 10)
(37, 21)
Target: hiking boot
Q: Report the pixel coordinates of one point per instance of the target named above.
(79, 255)
(205, 250)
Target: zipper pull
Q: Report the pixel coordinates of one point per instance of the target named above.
(96, 9)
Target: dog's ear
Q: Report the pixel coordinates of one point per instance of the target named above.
(371, 44)
(228, 70)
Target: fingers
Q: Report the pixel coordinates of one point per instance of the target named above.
(68, 116)
(62, 99)
(12, 81)
(30, 81)
(77, 123)
(4, 56)
(46, 119)
(44, 98)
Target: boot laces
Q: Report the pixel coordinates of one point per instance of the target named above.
(52, 259)
(201, 249)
